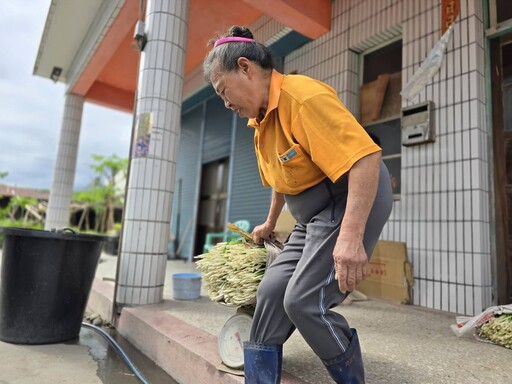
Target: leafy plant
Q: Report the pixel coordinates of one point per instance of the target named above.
(106, 192)
(88, 200)
(21, 212)
(20, 206)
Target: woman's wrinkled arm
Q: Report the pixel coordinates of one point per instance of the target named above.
(349, 254)
(264, 230)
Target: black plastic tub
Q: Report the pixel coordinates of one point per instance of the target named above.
(45, 283)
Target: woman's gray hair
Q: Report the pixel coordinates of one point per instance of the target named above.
(225, 56)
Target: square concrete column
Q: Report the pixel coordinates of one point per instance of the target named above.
(143, 256)
(57, 215)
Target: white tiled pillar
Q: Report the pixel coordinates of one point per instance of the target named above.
(147, 218)
(57, 215)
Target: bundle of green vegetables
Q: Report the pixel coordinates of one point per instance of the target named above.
(498, 330)
(233, 270)
(492, 325)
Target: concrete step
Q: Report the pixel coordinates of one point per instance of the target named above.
(186, 352)
(400, 343)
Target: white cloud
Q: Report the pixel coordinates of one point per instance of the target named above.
(105, 132)
(31, 108)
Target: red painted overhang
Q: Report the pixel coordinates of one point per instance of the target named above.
(110, 76)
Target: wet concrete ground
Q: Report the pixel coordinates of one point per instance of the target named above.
(111, 367)
(88, 359)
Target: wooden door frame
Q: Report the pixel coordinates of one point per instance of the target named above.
(217, 196)
(500, 196)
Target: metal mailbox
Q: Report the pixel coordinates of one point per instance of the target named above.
(418, 124)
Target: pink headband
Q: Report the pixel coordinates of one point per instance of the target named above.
(232, 39)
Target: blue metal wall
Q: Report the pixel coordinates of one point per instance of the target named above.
(207, 135)
(217, 133)
(188, 169)
(249, 200)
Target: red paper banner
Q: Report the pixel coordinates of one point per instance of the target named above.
(449, 12)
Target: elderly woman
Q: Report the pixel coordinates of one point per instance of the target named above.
(316, 157)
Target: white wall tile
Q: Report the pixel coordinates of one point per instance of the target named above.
(430, 294)
(452, 307)
(445, 296)
(458, 92)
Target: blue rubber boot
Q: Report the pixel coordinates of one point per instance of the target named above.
(262, 363)
(347, 368)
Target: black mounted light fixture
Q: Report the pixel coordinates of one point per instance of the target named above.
(140, 35)
(56, 72)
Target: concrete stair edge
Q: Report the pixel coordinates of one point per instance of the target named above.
(185, 352)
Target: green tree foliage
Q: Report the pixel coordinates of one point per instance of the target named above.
(19, 206)
(23, 212)
(91, 199)
(106, 192)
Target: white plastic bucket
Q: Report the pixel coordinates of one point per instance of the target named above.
(186, 286)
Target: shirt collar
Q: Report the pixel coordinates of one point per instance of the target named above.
(276, 80)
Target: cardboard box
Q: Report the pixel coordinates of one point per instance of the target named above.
(372, 99)
(285, 222)
(284, 225)
(391, 277)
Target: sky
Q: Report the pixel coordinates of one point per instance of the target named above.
(31, 108)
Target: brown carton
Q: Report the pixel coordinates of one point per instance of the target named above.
(390, 273)
(390, 270)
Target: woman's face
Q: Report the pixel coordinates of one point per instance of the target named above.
(239, 90)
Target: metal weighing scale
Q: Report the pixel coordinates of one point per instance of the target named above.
(235, 331)
(237, 328)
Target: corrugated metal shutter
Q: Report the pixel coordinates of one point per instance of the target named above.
(217, 134)
(187, 174)
(249, 199)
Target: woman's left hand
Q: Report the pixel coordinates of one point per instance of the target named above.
(350, 261)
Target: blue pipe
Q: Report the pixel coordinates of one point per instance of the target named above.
(118, 349)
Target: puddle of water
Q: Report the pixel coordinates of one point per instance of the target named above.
(111, 368)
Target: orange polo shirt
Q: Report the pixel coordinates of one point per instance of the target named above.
(307, 134)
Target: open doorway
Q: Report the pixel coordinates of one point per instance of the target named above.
(212, 200)
(501, 74)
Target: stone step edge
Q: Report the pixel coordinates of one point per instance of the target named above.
(185, 352)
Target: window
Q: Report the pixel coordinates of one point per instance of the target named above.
(380, 105)
(503, 10)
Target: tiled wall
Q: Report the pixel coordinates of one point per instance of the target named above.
(443, 212)
(63, 174)
(151, 184)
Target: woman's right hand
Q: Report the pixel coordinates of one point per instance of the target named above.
(261, 232)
